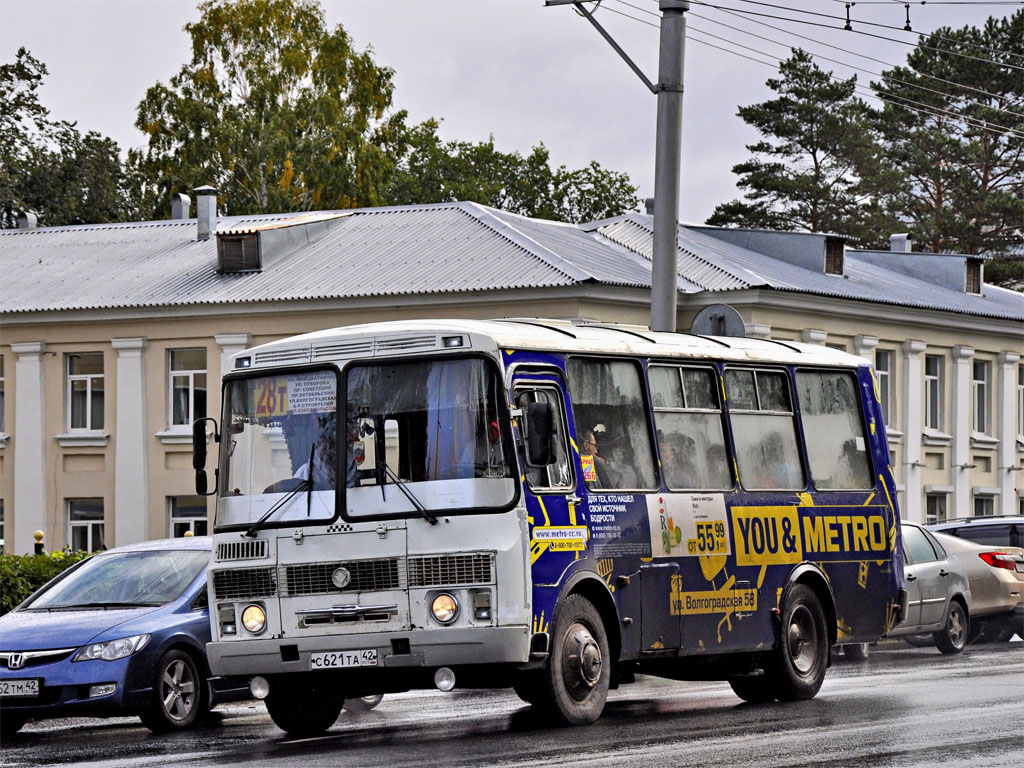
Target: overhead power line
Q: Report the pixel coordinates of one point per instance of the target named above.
(868, 34)
(816, 41)
(840, 62)
(888, 98)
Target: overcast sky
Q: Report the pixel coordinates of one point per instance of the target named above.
(514, 69)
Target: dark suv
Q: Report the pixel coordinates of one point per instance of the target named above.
(997, 531)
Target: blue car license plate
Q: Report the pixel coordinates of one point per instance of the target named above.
(28, 687)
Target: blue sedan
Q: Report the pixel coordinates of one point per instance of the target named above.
(121, 633)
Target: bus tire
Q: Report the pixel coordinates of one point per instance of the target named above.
(755, 690)
(578, 673)
(953, 636)
(303, 710)
(797, 666)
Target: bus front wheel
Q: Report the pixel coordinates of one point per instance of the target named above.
(578, 673)
(303, 710)
(798, 663)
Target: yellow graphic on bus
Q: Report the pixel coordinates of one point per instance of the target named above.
(766, 535)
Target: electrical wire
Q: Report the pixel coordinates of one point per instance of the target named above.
(868, 34)
(839, 48)
(867, 71)
(841, 63)
(893, 99)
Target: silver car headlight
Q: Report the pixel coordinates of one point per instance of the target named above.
(112, 650)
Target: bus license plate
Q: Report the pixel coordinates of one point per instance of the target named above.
(19, 688)
(336, 659)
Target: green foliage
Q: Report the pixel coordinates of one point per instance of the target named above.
(953, 135)
(435, 171)
(805, 173)
(21, 575)
(49, 168)
(275, 110)
(1006, 272)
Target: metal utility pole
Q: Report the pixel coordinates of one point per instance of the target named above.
(667, 156)
(667, 160)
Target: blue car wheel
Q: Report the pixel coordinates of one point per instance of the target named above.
(179, 694)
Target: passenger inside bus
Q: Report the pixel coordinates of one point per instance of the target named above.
(595, 467)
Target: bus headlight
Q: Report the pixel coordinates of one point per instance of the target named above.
(254, 619)
(445, 608)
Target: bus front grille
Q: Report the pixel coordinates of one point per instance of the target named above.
(451, 570)
(244, 583)
(364, 576)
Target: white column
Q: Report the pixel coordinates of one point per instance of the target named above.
(813, 336)
(1006, 414)
(961, 426)
(231, 343)
(131, 468)
(913, 424)
(864, 346)
(30, 503)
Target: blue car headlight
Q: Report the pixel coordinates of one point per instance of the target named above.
(112, 650)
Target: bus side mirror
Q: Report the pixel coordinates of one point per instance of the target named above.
(201, 482)
(199, 444)
(540, 434)
(199, 453)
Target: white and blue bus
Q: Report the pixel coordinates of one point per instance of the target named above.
(549, 506)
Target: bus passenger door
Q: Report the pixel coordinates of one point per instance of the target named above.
(559, 534)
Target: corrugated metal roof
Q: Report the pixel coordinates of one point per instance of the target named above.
(423, 249)
(716, 265)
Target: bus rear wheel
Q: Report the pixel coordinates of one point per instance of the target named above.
(755, 690)
(797, 665)
(577, 677)
(303, 710)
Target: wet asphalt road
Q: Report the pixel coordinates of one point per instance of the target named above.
(903, 707)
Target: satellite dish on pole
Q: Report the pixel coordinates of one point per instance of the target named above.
(718, 320)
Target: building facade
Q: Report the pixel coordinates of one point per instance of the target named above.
(113, 339)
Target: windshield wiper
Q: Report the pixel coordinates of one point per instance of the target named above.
(302, 486)
(408, 494)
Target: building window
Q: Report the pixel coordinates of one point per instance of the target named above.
(188, 515)
(883, 372)
(984, 506)
(2, 393)
(981, 397)
(187, 386)
(85, 524)
(3, 549)
(933, 392)
(973, 277)
(935, 508)
(85, 391)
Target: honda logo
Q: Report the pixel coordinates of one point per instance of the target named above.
(15, 660)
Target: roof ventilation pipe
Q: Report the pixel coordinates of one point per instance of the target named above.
(649, 205)
(181, 206)
(900, 243)
(26, 220)
(206, 210)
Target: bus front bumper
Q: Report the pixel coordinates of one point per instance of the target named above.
(426, 648)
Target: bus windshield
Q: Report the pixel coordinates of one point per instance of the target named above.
(419, 436)
(435, 429)
(280, 440)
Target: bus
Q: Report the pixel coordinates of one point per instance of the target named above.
(549, 506)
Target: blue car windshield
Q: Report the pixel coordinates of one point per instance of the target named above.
(127, 580)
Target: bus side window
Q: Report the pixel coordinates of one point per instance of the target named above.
(763, 429)
(688, 417)
(833, 430)
(556, 476)
(609, 410)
